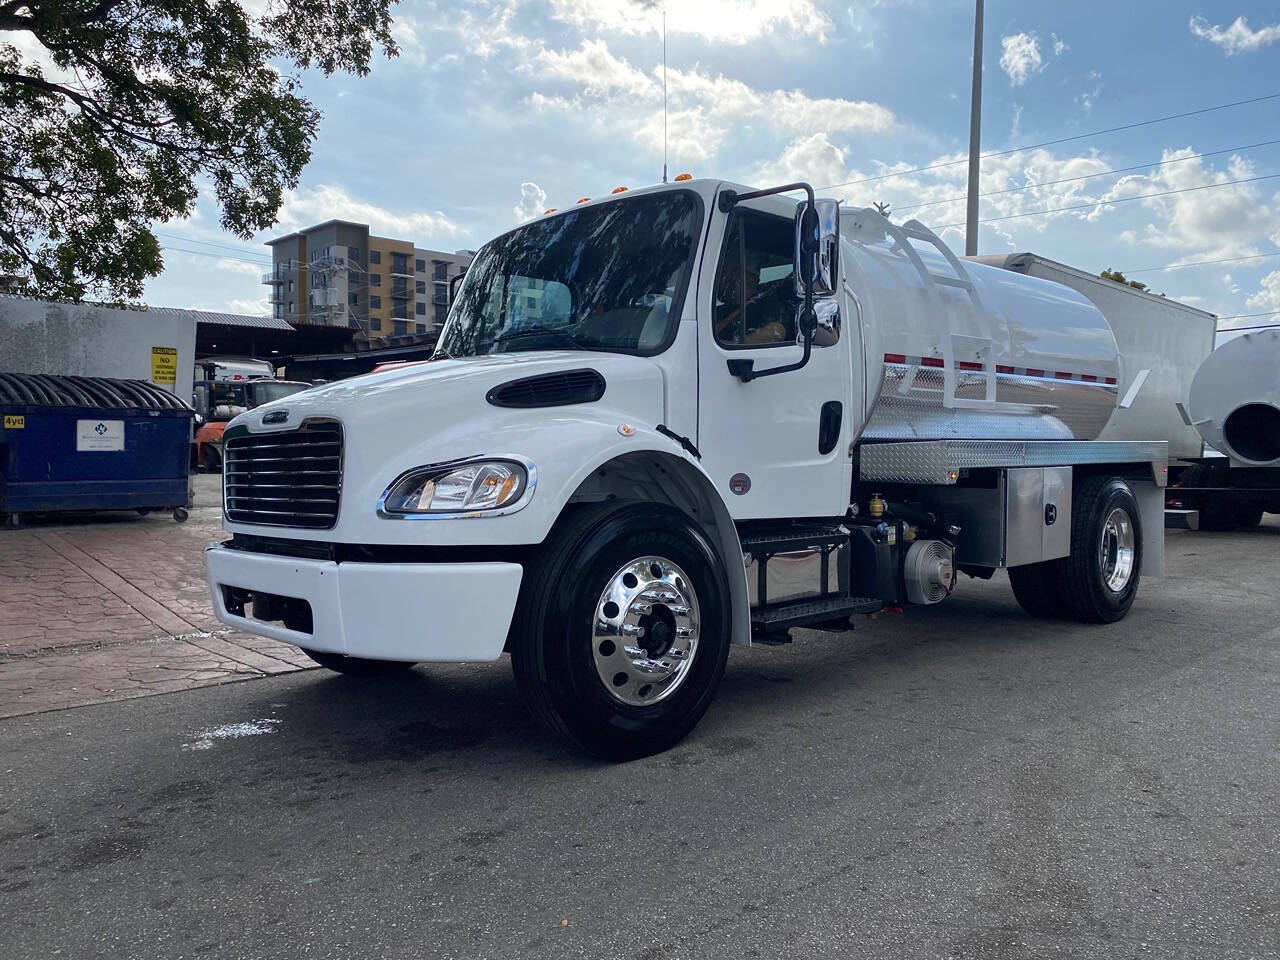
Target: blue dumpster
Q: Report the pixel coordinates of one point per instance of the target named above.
(91, 443)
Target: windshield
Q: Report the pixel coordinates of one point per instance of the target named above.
(611, 277)
(266, 391)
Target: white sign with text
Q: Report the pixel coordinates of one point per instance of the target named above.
(97, 435)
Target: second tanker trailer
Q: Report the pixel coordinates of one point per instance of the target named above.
(684, 417)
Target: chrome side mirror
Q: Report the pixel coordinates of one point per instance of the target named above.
(824, 321)
(817, 251)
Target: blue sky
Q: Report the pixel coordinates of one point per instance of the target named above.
(499, 108)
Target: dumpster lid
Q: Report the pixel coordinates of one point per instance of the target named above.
(99, 393)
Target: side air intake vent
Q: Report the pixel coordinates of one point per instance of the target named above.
(549, 390)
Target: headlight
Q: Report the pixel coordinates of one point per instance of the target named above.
(456, 488)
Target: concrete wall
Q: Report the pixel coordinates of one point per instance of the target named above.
(92, 341)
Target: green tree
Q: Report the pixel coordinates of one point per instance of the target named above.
(114, 113)
(1119, 277)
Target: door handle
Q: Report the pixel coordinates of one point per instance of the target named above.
(829, 425)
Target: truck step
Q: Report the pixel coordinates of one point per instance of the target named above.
(1181, 519)
(796, 536)
(781, 617)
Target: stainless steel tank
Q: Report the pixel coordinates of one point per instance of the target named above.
(1235, 399)
(937, 329)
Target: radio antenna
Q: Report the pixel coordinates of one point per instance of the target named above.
(664, 93)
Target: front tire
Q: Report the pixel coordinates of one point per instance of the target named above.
(622, 629)
(1100, 577)
(357, 666)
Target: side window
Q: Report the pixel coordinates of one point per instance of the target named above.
(755, 302)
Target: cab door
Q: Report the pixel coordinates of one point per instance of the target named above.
(775, 446)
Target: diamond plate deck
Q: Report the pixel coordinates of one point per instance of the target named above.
(940, 461)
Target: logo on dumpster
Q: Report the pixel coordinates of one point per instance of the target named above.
(100, 429)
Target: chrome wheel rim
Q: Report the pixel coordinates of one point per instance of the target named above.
(1117, 550)
(645, 636)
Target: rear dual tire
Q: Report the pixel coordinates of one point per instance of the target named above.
(1098, 581)
(622, 629)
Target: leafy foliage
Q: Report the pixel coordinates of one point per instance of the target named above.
(1118, 277)
(138, 104)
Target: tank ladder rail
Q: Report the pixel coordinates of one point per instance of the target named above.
(951, 342)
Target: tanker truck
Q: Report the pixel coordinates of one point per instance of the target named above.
(680, 418)
(1234, 403)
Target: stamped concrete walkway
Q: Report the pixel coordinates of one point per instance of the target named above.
(116, 606)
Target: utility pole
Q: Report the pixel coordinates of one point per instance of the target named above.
(975, 140)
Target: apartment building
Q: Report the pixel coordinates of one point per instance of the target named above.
(339, 274)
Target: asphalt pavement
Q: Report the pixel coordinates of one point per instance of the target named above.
(958, 781)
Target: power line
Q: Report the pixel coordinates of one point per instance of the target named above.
(1050, 143)
(209, 243)
(1090, 176)
(1201, 263)
(1250, 316)
(1100, 203)
(220, 256)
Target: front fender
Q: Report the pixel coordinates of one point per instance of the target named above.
(576, 460)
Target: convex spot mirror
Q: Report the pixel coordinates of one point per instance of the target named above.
(817, 252)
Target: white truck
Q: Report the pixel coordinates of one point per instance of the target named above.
(680, 418)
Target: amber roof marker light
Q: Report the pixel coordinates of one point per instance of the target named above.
(681, 177)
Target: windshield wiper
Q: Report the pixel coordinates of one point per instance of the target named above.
(540, 330)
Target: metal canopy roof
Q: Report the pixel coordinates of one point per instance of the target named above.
(225, 319)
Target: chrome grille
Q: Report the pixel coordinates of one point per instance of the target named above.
(284, 479)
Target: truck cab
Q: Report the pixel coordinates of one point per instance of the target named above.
(681, 418)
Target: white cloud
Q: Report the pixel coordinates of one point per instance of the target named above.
(329, 202)
(725, 21)
(408, 32)
(239, 266)
(33, 53)
(1059, 45)
(1090, 96)
(1239, 37)
(1225, 221)
(597, 71)
(533, 200)
(813, 157)
(1020, 57)
(702, 108)
(251, 308)
(1268, 295)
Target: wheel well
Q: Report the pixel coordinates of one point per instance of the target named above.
(655, 477)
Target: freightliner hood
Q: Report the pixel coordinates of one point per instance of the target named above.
(437, 411)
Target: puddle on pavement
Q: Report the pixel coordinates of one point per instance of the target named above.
(206, 738)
